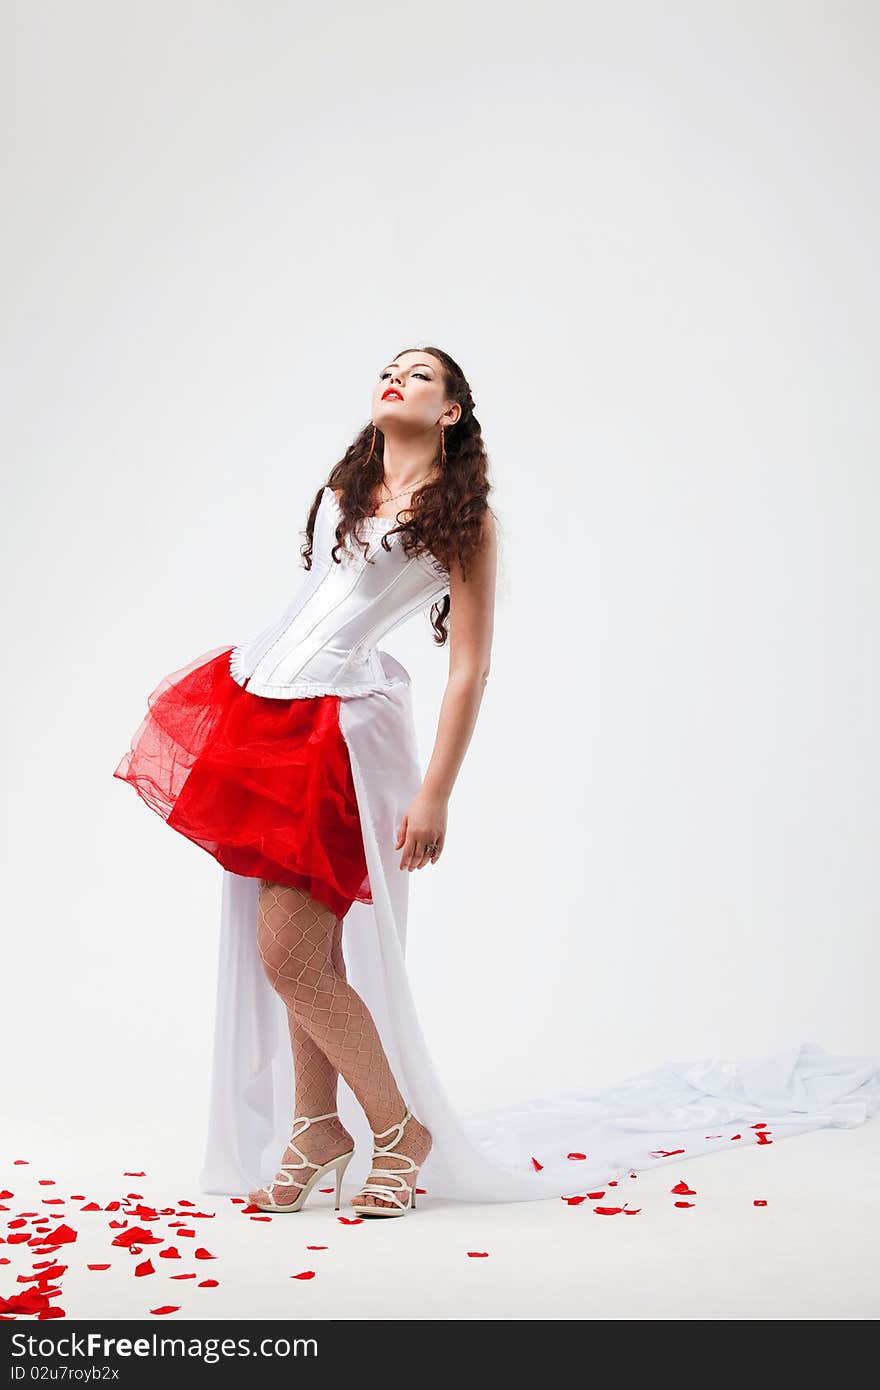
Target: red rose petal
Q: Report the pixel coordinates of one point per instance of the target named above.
(607, 1211)
(261, 1218)
(182, 1232)
(759, 1202)
(166, 1308)
(183, 1276)
(134, 1175)
(685, 1204)
(574, 1201)
(666, 1153)
(246, 1211)
(6, 1194)
(763, 1138)
(91, 1206)
(97, 1266)
(77, 1196)
(350, 1220)
(209, 1284)
(576, 1155)
(596, 1196)
(325, 1189)
(306, 1274)
(62, 1236)
(760, 1125)
(236, 1200)
(145, 1267)
(536, 1165)
(736, 1136)
(185, 1202)
(631, 1211)
(136, 1235)
(203, 1254)
(46, 1182)
(317, 1247)
(14, 1225)
(172, 1253)
(20, 1160)
(683, 1189)
(478, 1254)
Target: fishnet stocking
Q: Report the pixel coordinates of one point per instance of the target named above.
(331, 1031)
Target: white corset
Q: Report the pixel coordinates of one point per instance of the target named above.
(325, 643)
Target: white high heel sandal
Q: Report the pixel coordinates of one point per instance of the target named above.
(391, 1194)
(340, 1163)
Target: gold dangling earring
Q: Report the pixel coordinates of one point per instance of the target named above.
(442, 447)
(372, 447)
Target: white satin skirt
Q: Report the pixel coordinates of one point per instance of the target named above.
(511, 1154)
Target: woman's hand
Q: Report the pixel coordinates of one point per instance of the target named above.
(423, 824)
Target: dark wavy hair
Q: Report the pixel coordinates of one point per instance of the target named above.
(447, 514)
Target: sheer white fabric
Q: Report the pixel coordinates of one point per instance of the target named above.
(487, 1155)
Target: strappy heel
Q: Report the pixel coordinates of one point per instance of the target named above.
(381, 1189)
(339, 1164)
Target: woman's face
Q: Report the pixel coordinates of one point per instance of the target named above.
(417, 399)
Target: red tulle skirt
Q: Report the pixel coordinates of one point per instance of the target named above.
(263, 785)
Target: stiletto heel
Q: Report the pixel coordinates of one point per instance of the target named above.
(391, 1194)
(339, 1164)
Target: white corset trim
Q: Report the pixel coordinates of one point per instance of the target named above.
(304, 690)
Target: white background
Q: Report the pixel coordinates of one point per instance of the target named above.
(648, 234)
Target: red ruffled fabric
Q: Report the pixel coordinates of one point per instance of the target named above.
(263, 785)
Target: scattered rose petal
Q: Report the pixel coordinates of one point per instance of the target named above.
(350, 1220)
(166, 1308)
(134, 1175)
(762, 1124)
(183, 1232)
(536, 1165)
(6, 1194)
(576, 1155)
(20, 1160)
(759, 1202)
(478, 1254)
(136, 1235)
(306, 1274)
(246, 1211)
(203, 1254)
(91, 1206)
(683, 1190)
(325, 1189)
(77, 1196)
(14, 1225)
(607, 1211)
(735, 1136)
(46, 1182)
(631, 1211)
(185, 1202)
(574, 1201)
(183, 1276)
(172, 1253)
(420, 1191)
(666, 1153)
(764, 1138)
(685, 1204)
(145, 1267)
(236, 1200)
(209, 1283)
(261, 1218)
(317, 1247)
(97, 1266)
(63, 1236)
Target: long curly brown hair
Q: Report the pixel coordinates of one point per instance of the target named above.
(447, 513)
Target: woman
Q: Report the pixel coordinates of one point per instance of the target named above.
(243, 751)
(292, 760)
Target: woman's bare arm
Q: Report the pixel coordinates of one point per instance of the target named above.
(472, 618)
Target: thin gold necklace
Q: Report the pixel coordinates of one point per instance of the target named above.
(411, 488)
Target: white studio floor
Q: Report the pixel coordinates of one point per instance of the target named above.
(812, 1252)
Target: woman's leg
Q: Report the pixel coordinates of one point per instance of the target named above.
(296, 936)
(316, 1086)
